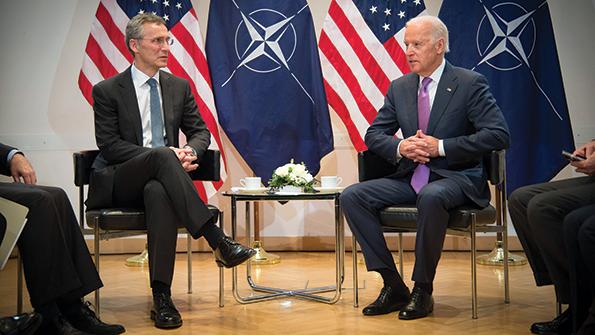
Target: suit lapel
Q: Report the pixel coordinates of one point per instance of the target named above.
(410, 126)
(446, 88)
(129, 96)
(167, 98)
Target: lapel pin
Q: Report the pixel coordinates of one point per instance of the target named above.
(449, 89)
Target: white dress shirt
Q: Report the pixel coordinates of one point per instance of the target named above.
(432, 88)
(143, 96)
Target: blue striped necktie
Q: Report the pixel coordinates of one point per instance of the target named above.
(156, 120)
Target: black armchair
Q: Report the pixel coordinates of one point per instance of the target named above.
(465, 221)
(107, 223)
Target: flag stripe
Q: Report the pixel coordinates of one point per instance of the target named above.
(113, 32)
(397, 54)
(103, 64)
(364, 105)
(362, 51)
(344, 103)
(86, 87)
(357, 45)
(360, 72)
(341, 110)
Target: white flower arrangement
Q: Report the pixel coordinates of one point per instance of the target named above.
(292, 174)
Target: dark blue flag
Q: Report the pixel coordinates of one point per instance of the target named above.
(267, 82)
(512, 44)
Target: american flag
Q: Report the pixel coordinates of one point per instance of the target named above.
(106, 54)
(361, 52)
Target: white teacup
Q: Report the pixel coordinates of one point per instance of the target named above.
(250, 183)
(330, 181)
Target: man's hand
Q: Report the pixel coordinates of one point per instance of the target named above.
(588, 165)
(21, 170)
(431, 143)
(419, 148)
(586, 150)
(186, 157)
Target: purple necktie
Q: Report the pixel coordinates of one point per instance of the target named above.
(421, 175)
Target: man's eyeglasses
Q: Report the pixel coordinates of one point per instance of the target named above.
(160, 41)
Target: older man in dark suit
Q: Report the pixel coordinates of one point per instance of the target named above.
(449, 120)
(57, 265)
(138, 116)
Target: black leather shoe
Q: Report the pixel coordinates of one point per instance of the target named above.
(389, 300)
(164, 313)
(83, 318)
(230, 253)
(420, 305)
(59, 326)
(25, 324)
(562, 324)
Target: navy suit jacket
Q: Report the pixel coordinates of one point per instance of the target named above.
(4, 150)
(118, 129)
(464, 115)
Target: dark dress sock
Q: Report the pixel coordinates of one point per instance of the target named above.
(212, 233)
(426, 287)
(160, 287)
(392, 279)
(49, 312)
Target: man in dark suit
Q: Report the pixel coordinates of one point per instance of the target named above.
(57, 265)
(539, 215)
(138, 116)
(579, 238)
(449, 120)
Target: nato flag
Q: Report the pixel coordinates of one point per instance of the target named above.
(267, 82)
(512, 44)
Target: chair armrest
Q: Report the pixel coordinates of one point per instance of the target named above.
(372, 166)
(83, 160)
(495, 165)
(208, 167)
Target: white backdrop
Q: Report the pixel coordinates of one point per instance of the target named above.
(43, 112)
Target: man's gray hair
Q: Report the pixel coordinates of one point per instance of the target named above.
(439, 29)
(134, 28)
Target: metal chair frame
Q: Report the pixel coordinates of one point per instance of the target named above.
(371, 167)
(209, 170)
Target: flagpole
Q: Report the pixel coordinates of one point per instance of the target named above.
(262, 257)
(141, 259)
(497, 255)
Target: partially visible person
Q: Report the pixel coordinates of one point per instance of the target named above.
(58, 268)
(449, 119)
(21, 324)
(579, 236)
(539, 214)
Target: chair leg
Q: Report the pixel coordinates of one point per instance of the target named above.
(401, 255)
(19, 283)
(221, 273)
(355, 280)
(96, 250)
(473, 268)
(189, 257)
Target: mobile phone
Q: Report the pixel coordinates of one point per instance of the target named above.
(571, 157)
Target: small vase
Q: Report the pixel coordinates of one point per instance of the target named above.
(291, 189)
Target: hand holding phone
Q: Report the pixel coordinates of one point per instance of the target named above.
(571, 157)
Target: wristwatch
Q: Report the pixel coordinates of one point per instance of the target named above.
(191, 148)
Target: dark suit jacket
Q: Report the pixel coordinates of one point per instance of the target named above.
(4, 150)
(118, 129)
(464, 114)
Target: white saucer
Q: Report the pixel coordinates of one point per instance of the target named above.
(329, 189)
(249, 190)
(288, 193)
